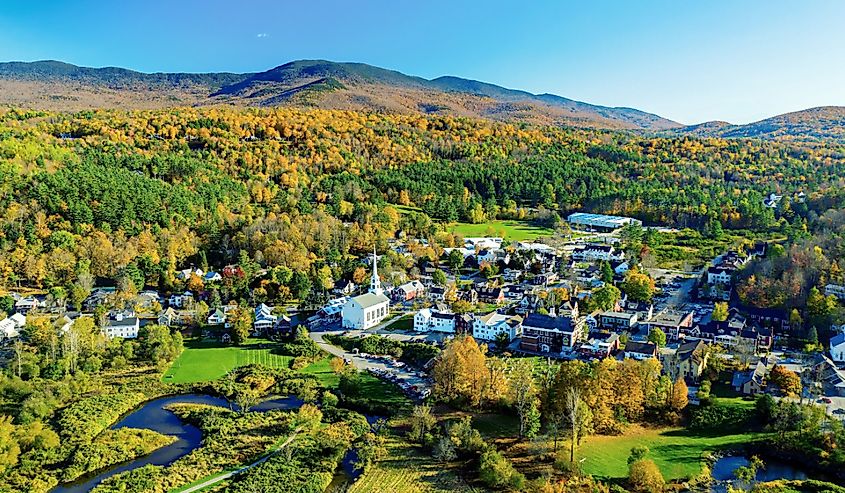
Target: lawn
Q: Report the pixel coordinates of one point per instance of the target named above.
(203, 361)
(406, 470)
(676, 451)
(509, 230)
(405, 322)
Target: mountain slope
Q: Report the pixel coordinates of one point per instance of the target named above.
(821, 123)
(306, 83)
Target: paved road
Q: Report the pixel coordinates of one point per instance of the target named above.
(226, 475)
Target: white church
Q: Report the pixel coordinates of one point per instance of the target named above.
(369, 309)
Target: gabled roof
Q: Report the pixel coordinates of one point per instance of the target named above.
(837, 339)
(367, 300)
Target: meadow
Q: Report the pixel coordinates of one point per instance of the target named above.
(510, 230)
(676, 451)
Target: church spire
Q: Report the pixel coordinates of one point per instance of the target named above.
(375, 283)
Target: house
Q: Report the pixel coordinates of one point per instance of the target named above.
(264, 319)
(9, 329)
(408, 291)
(600, 345)
(282, 328)
(437, 293)
(836, 290)
(719, 275)
(122, 324)
(468, 295)
(620, 267)
(837, 348)
(186, 274)
(596, 252)
(688, 362)
(488, 327)
(671, 322)
(511, 275)
(550, 333)
(750, 382)
(168, 317)
(494, 296)
(27, 304)
(640, 350)
(428, 319)
(369, 309)
(343, 287)
(98, 297)
(212, 276)
(218, 317)
(181, 300)
(622, 321)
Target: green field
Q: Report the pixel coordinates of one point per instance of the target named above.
(676, 451)
(203, 361)
(509, 230)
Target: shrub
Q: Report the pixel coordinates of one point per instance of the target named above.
(496, 471)
(644, 476)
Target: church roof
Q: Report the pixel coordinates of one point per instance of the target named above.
(367, 300)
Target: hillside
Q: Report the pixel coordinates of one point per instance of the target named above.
(304, 83)
(822, 123)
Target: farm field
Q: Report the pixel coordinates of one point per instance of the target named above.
(676, 451)
(406, 470)
(508, 229)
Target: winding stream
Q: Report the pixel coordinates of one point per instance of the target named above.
(153, 416)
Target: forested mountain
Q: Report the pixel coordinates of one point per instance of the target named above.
(304, 83)
(822, 123)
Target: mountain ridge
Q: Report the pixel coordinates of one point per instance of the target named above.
(57, 85)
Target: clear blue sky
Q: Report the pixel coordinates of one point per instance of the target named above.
(692, 61)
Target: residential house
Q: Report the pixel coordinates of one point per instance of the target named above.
(468, 295)
(186, 274)
(688, 362)
(168, 317)
(217, 317)
(640, 350)
(836, 290)
(408, 291)
(550, 333)
(600, 345)
(437, 293)
(643, 309)
(488, 327)
(620, 267)
(511, 275)
(212, 276)
(427, 320)
(751, 382)
(719, 275)
(122, 324)
(27, 304)
(494, 296)
(181, 300)
(282, 328)
(264, 319)
(343, 287)
(596, 252)
(837, 348)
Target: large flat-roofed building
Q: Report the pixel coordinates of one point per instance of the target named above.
(601, 221)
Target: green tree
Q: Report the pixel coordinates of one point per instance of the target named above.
(241, 320)
(657, 336)
(644, 477)
(605, 297)
(638, 286)
(439, 277)
(720, 311)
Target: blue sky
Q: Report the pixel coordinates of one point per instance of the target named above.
(690, 61)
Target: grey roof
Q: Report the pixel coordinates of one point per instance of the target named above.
(367, 300)
(640, 347)
(547, 322)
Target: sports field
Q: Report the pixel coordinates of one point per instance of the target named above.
(204, 361)
(507, 229)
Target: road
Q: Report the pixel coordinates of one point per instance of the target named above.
(226, 475)
(402, 374)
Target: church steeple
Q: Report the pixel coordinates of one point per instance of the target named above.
(375, 283)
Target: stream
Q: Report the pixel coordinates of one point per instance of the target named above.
(153, 416)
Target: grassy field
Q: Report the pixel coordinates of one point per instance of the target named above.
(202, 361)
(405, 322)
(676, 451)
(509, 230)
(405, 470)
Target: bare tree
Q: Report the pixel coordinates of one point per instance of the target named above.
(572, 404)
